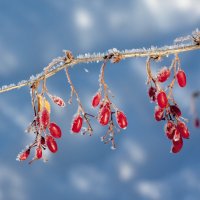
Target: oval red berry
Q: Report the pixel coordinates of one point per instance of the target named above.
(55, 130)
(182, 128)
(152, 93)
(177, 146)
(96, 100)
(59, 101)
(51, 144)
(170, 129)
(158, 113)
(104, 115)
(162, 99)
(181, 78)
(77, 124)
(24, 155)
(38, 153)
(45, 118)
(175, 110)
(163, 74)
(121, 119)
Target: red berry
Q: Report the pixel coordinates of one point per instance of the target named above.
(38, 153)
(59, 101)
(162, 99)
(104, 114)
(51, 144)
(196, 122)
(181, 78)
(152, 93)
(177, 146)
(182, 128)
(175, 110)
(77, 124)
(24, 155)
(170, 130)
(96, 100)
(163, 74)
(42, 140)
(121, 119)
(45, 118)
(158, 113)
(55, 130)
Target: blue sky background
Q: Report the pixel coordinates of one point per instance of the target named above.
(32, 33)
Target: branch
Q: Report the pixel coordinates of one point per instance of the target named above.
(60, 63)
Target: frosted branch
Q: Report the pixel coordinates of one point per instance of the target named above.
(182, 44)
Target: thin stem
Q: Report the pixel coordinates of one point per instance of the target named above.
(79, 101)
(153, 52)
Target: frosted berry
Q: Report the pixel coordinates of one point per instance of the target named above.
(51, 144)
(181, 78)
(77, 124)
(175, 110)
(121, 119)
(158, 113)
(162, 99)
(55, 130)
(38, 153)
(182, 128)
(163, 74)
(96, 100)
(44, 118)
(177, 146)
(104, 115)
(170, 129)
(24, 155)
(59, 101)
(152, 93)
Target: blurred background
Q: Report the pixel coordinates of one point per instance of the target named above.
(32, 33)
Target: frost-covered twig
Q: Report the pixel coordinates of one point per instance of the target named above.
(183, 44)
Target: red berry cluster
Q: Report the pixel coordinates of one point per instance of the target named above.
(107, 110)
(45, 131)
(167, 108)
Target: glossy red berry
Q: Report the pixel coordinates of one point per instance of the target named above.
(59, 101)
(177, 146)
(77, 124)
(181, 78)
(44, 118)
(182, 128)
(55, 130)
(104, 115)
(24, 155)
(152, 93)
(162, 99)
(96, 100)
(51, 144)
(170, 129)
(163, 74)
(121, 119)
(38, 153)
(175, 110)
(158, 113)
